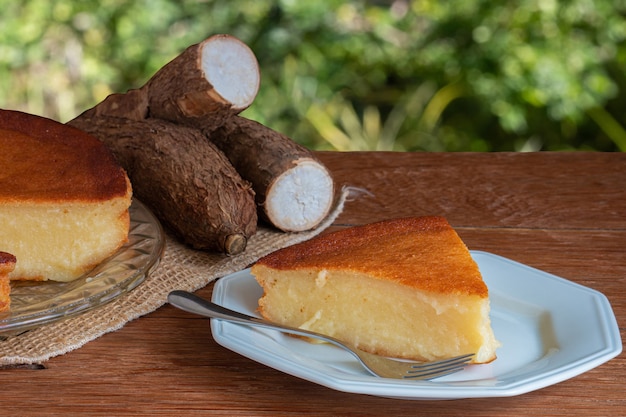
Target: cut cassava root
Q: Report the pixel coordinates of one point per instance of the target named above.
(186, 150)
(294, 190)
(208, 82)
(187, 181)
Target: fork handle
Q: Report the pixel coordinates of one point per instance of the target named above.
(193, 304)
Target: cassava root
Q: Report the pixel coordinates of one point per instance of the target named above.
(207, 83)
(212, 80)
(187, 181)
(186, 150)
(294, 190)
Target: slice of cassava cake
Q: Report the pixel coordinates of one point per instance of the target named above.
(63, 198)
(7, 265)
(404, 288)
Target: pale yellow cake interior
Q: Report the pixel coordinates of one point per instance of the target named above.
(61, 242)
(379, 316)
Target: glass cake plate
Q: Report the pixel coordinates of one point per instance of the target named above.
(36, 303)
(551, 329)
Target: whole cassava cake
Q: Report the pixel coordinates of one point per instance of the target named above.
(63, 198)
(404, 288)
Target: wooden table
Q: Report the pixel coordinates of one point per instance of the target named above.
(564, 213)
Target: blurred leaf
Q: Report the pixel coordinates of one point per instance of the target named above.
(398, 75)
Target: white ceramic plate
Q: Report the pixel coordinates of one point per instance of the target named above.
(551, 329)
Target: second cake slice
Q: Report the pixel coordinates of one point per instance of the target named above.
(404, 288)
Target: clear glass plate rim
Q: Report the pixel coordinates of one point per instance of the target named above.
(22, 322)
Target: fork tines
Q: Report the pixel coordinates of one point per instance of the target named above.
(440, 368)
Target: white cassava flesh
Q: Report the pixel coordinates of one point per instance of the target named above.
(301, 197)
(232, 69)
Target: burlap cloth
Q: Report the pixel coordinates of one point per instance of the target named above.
(180, 268)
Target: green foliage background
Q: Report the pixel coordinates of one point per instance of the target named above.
(461, 75)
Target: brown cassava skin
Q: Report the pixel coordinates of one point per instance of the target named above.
(132, 105)
(179, 92)
(189, 184)
(258, 153)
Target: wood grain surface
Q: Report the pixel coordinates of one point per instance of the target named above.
(564, 213)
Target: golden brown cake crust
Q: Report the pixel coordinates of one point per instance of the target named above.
(391, 250)
(84, 169)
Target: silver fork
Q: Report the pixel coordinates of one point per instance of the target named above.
(375, 364)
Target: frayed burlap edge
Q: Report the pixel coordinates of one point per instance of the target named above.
(180, 268)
